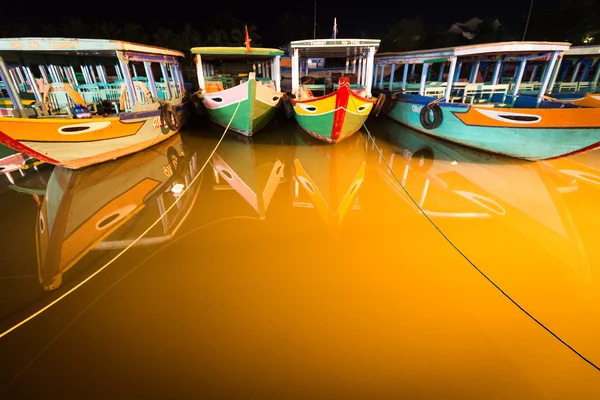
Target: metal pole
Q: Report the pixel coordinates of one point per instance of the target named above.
(315, 23)
(527, 23)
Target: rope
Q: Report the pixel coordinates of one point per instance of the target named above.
(467, 258)
(40, 311)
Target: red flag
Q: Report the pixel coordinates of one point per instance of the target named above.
(248, 40)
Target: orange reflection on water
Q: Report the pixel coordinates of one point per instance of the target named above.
(302, 270)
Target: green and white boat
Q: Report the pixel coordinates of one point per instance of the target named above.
(250, 77)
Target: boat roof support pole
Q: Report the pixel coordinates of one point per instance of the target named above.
(458, 69)
(118, 70)
(127, 77)
(86, 77)
(359, 71)
(44, 74)
(375, 74)
(586, 70)
(151, 81)
(576, 72)
(596, 78)
(519, 75)
(134, 70)
(13, 93)
(165, 74)
(450, 80)
(554, 74)
(74, 74)
(176, 83)
(347, 64)
(101, 75)
(550, 75)
(441, 76)
(364, 71)
(92, 73)
(277, 63)
(354, 65)
(382, 74)
(295, 72)
(33, 84)
(370, 70)
(21, 77)
(423, 79)
(497, 69)
(533, 73)
(392, 76)
(405, 77)
(474, 71)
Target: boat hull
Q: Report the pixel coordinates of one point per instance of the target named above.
(78, 143)
(526, 133)
(258, 105)
(333, 117)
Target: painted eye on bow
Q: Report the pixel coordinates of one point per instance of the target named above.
(217, 99)
(310, 109)
(363, 107)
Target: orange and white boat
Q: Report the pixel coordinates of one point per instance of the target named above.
(88, 100)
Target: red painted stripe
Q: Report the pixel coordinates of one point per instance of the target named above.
(582, 150)
(339, 115)
(20, 147)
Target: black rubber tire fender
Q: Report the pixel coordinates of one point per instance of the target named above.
(170, 117)
(436, 111)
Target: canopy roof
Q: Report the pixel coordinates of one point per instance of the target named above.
(235, 53)
(430, 55)
(583, 51)
(333, 48)
(72, 46)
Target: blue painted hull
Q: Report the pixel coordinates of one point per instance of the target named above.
(530, 143)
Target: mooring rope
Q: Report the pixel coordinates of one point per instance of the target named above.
(464, 255)
(74, 288)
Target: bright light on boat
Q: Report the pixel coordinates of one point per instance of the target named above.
(177, 188)
(454, 162)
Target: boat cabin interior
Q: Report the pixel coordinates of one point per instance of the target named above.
(509, 74)
(43, 78)
(221, 68)
(579, 71)
(348, 58)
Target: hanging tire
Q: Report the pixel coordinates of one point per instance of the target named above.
(389, 104)
(170, 117)
(287, 107)
(429, 111)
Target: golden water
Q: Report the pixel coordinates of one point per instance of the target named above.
(289, 268)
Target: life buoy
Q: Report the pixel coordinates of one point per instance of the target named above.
(425, 116)
(169, 116)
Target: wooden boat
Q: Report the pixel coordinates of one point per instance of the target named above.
(456, 187)
(328, 178)
(113, 107)
(478, 111)
(252, 169)
(228, 84)
(83, 210)
(343, 105)
(575, 68)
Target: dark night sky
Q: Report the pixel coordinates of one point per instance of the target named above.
(371, 16)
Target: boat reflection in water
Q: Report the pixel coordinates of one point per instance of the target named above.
(252, 168)
(83, 210)
(516, 200)
(328, 178)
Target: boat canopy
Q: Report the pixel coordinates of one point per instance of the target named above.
(96, 47)
(334, 48)
(442, 54)
(235, 53)
(359, 53)
(583, 51)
